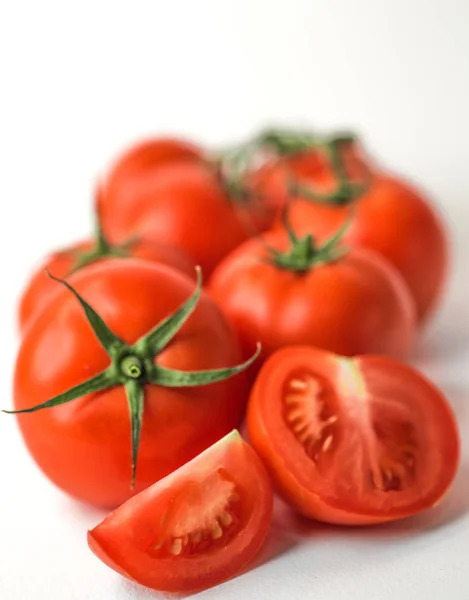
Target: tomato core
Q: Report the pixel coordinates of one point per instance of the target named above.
(312, 413)
(203, 518)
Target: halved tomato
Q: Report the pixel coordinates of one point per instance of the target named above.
(194, 528)
(352, 440)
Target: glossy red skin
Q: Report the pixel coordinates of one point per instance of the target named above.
(391, 218)
(150, 155)
(84, 446)
(358, 304)
(325, 494)
(179, 201)
(61, 264)
(122, 540)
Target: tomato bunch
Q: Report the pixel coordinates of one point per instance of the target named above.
(131, 379)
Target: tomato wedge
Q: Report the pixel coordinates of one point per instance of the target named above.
(194, 528)
(352, 440)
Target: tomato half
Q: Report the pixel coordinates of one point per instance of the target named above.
(391, 218)
(40, 287)
(352, 441)
(183, 201)
(195, 528)
(85, 445)
(350, 302)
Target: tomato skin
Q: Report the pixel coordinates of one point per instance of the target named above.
(355, 305)
(40, 287)
(391, 218)
(181, 202)
(147, 156)
(279, 449)
(122, 540)
(129, 176)
(84, 446)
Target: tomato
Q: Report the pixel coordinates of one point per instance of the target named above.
(195, 528)
(391, 216)
(115, 346)
(184, 201)
(128, 173)
(151, 154)
(285, 292)
(352, 441)
(40, 287)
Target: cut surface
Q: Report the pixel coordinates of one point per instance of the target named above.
(202, 519)
(310, 412)
(367, 435)
(196, 527)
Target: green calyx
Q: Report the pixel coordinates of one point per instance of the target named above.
(134, 367)
(102, 248)
(235, 163)
(303, 253)
(231, 166)
(285, 143)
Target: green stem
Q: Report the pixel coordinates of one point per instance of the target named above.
(102, 244)
(131, 367)
(134, 367)
(304, 254)
(283, 143)
(102, 248)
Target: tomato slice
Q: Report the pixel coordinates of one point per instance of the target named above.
(194, 528)
(352, 441)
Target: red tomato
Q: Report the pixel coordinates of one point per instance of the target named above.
(129, 172)
(392, 218)
(352, 441)
(85, 446)
(151, 154)
(195, 528)
(40, 287)
(183, 201)
(350, 303)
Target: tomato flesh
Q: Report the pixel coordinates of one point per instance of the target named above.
(358, 440)
(195, 528)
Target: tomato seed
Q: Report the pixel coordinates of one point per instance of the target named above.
(196, 537)
(226, 519)
(298, 384)
(217, 531)
(176, 547)
(292, 399)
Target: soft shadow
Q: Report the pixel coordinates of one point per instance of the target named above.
(84, 514)
(446, 338)
(129, 589)
(452, 508)
(289, 530)
(458, 397)
(280, 538)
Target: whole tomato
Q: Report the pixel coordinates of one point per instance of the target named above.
(125, 342)
(283, 291)
(63, 263)
(392, 218)
(171, 193)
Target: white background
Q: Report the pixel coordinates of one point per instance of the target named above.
(80, 80)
